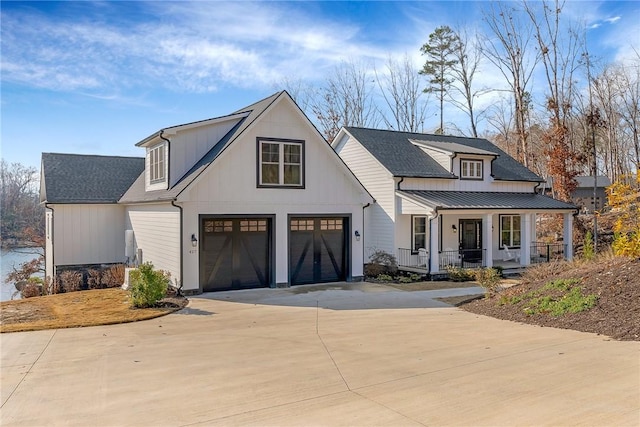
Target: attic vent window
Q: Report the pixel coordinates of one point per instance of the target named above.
(156, 164)
(280, 163)
(471, 169)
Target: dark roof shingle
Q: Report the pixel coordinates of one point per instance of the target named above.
(402, 158)
(78, 178)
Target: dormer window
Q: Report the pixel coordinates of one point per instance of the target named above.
(471, 169)
(157, 164)
(280, 163)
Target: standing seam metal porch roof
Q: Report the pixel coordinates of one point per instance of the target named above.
(484, 200)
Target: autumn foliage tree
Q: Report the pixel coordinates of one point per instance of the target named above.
(624, 199)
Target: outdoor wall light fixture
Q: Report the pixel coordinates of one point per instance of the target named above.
(454, 228)
(194, 241)
(357, 233)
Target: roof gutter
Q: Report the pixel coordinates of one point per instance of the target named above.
(52, 228)
(179, 285)
(168, 156)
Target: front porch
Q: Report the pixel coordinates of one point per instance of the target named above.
(420, 262)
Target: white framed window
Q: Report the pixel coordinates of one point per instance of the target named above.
(157, 164)
(510, 231)
(470, 169)
(418, 233)
(280, 163)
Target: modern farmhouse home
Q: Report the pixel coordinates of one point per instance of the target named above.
(255, 198)
(449, 201)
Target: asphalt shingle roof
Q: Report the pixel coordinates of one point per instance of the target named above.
(137, 191)
(78, 178)
(402, 158)
(484, 200)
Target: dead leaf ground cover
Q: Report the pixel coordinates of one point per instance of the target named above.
(78, 309)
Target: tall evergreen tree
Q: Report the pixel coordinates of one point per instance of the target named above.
(439, 50)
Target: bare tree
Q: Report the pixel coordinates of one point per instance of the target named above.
(405, 100)
(301, 91)
(467, 55)
(629, 104)
(345, 100)
(508, 48)
(21, 215)
(560, 52)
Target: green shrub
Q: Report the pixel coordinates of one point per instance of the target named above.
(384, 278)
(489, 279)
(404, 279)
(147, 286)
(588, 251)
(458, 274)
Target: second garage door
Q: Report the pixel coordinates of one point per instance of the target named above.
(317, 249)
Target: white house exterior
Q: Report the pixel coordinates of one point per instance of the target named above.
(253, 199)
(449, 201)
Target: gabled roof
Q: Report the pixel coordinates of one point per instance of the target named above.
(484, 200)
(78, 178)
(394, 150)
(137, 191)
(453, 147)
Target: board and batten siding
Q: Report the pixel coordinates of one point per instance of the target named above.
(488, 184)
(379, 217)
(88, 234)
(229, 187)
(156, 229)
(192, 144)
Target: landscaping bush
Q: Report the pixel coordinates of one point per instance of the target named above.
(32, 288)
(147, 286)
(113, 277)
(381, 262)
(489, 279)
(70, 280)
(94, 278)
(458, 274)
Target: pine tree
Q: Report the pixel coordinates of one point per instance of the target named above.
(439, 51)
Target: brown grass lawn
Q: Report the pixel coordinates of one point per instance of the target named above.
(74, 309)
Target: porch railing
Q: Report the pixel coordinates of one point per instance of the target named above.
(409, 258)
(546, 252)
(464, 258)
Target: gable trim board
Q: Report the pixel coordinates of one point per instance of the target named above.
(221, 184)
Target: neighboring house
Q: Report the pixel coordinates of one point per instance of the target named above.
(449, 201)
(256, 198)
(582, 196)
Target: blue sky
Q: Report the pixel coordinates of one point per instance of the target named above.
(97, 77)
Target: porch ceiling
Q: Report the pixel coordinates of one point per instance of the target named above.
(484, 200)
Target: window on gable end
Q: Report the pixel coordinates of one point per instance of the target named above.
(157, 164)
(280, 163)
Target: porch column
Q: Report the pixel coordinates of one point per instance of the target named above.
(434, 239)
(567, 237)
(487, 237)
(525, 239)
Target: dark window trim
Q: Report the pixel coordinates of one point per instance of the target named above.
(481, 169)
(501, 247)
(303, 165)
(413, 230)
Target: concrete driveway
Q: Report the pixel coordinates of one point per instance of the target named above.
(356, 355)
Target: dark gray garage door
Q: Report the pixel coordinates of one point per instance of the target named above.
(317, 249)
(235, 253)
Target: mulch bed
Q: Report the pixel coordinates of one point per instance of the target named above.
(616, 282)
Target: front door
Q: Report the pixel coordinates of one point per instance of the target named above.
(471, 242)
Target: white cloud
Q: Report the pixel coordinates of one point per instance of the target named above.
(613, 20)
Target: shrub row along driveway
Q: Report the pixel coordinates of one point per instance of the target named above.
(275, 359)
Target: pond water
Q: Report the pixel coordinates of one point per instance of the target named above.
(10, 258)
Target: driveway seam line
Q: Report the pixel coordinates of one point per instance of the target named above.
(30, 368)
(388, 408)
(325, 346)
